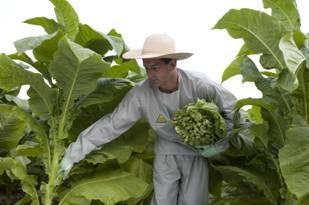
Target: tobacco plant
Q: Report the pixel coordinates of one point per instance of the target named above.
(268, 160)
(75, 76)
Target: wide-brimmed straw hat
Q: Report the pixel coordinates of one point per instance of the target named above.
(157, 46)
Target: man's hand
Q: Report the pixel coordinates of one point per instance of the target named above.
(214, 149)
(65, 168)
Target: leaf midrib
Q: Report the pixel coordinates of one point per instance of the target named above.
(282, 11)
(66, 106)
(259, 39)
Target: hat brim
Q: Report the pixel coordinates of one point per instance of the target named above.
(137, 54)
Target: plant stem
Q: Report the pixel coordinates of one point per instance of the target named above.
(304, 89)
(52, 183)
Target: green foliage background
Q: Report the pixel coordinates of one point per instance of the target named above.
(80, 76)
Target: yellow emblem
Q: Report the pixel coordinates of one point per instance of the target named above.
(161, 119)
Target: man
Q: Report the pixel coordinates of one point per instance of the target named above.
(180, 171)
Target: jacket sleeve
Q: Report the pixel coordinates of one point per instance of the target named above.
(107, 128)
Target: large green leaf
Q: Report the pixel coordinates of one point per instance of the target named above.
(22, 57)
(109, 187)
(108, 90)
(116, 40)
(306, 52)
(103, 100)
(12, 129)
(92, 39)
(37, 105)
(300, 38)
(29, 43)
(45, 51)
(248, 177)
(292, 55)
(241, 144)
(285, 11)
(254, 115)
(294, 58)
(76, 70)
(277, 124)
(260, 132)
(245, 51)
(32, 125)
(38, 131)
(30, 149)
(294, 161)
(241, 200)
(38, 65)
(67, 17)
(21, 103)
(49, 25)
(271, 89)
(139, 137)
(122, 70)
(142, 170)
(109, 152)
(3, 93)
(12, 75)
(20, 172)
(234, 67)
(139, 168)
(301, 94)
(136, 139)
(260, 32)
(287, 80)
(100, 42)
(43, 69)
(304, 200)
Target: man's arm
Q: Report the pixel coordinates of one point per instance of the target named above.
(106, 129)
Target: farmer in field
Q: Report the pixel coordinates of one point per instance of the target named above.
(180, 171)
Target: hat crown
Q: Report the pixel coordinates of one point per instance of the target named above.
(159, 43)
(157, 46)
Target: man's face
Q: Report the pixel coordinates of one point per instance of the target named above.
(158, 71)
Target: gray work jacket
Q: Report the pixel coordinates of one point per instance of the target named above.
(144, 100)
